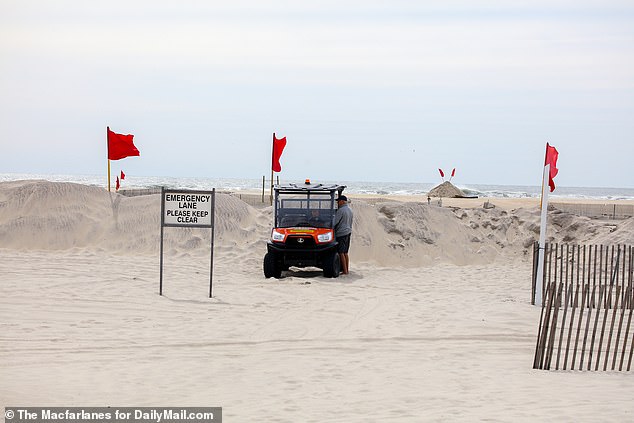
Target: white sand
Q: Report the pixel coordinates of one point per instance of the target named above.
(433, 324)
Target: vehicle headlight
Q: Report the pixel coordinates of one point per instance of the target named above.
(277, 236)
(327, 237)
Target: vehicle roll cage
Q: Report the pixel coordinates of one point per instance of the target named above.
(304, 198)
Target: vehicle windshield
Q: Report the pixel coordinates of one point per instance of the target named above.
(300, 211)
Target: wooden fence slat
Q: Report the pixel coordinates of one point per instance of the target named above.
(611, 274)
(618, 333)
(549, 307)
(606, 278)
(583, 270)
(600, 266)
(581, 313)
(572, 320)
(631, 305)
(578, 264)
(585, 335)
(544, 341)
(594, 330)
(627, 331)
(567, 265)
(542, 277)
(563, 323)
(539, 335)
(553, 329)
(629, 362)
(594, 273)
(622, 307)
(630, 273)
(615, 271)
(630, 277)
(550, 262)
(624, 261)
(630, 298)
(534, 272)
(605, 320)
(540, 330)
(561, 264)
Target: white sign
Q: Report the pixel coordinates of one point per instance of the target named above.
(188, 208)
(193, 209)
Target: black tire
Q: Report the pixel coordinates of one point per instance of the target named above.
(332, 266)
(272, 267)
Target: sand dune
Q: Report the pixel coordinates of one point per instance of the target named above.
(44, 215)
(433, 324)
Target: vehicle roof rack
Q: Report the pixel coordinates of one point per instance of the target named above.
(302, 188)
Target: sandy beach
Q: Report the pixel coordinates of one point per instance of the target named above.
(434, 323)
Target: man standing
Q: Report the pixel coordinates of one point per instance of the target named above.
(343, 230)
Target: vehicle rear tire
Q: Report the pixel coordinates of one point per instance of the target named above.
(332, 266)
(272, 266)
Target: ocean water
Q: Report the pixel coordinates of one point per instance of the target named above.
(353, 187)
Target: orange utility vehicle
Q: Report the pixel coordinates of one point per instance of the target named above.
(303, 234)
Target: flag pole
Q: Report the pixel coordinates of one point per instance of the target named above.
(108, 155)
(539, 278)
(544, 182)
(272, 158)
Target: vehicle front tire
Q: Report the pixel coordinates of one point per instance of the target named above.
(332, 266)
(272, 267)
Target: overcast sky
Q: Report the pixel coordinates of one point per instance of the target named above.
(363, 90)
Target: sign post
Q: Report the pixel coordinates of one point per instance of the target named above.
(191, 209)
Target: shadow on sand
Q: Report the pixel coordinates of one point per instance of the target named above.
(310, 275)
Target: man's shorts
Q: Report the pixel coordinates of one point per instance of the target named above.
(343, 243)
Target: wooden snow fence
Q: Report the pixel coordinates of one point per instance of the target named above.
(587, 305)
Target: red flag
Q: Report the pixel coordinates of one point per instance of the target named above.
(120, 146)
(551, 158)
(278, 147)
(442, 174)
(453, 172)
(122, 175)
(116, 187)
